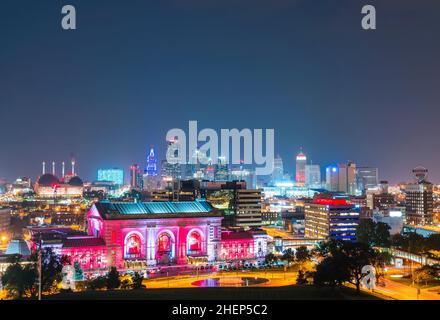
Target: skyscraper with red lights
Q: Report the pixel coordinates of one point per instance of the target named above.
(301, 161)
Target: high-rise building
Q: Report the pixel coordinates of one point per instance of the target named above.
(366, 178)
(347, 178)
(332, 178)
(419, 199)
(246, 206)
(278, 170)
(222, 170)
(151, 166)
(150, 176)
(5, 220)
(242, 174)
(114, 175)
(301, 161)
(135, 177)
(171, 171)
(313, 176)
(329, 217)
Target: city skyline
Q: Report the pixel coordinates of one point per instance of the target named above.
(307, 70)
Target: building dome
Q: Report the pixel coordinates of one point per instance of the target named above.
(76, 182)
(48, 180)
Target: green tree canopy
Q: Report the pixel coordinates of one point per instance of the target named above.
(19, 278)
(343, 261)
(302, 254)
(373, 233)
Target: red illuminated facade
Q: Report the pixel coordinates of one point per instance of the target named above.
(139, 235)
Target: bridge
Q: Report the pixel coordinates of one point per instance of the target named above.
(418, 258)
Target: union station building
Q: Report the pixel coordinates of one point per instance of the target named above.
(137, 235)
(157, 232)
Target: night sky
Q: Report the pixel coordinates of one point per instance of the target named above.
(135, 69)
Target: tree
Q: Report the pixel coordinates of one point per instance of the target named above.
(51, 266)
(382, 235)
(79, 274)
(19, 279)
(288, 256)
(331, 272)
(137, 279)
(425, 274)
(411, 242)
(98, 283)
(365, 231)
(380, 260)
(303, 254)
(433, 242)
(270, 259)
(372, 233)
(301, 279)
(343, 261)
(113, 281)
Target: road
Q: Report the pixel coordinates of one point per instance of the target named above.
(399, 291)
(278, 233)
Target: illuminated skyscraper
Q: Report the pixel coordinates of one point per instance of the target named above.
(301, 161)
(135, 177)
(419, 199)
(347, 177)
(313, 176)
(171, 171)
(150, 176)
(151, 168)
(114, 175)
(222, 170)
(278, 170)
(332, 178)
(366, 178)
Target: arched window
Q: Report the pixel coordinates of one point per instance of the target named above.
(164, 243)
(133, 246)
(194, 244)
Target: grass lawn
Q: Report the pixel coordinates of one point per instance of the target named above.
(257, 293)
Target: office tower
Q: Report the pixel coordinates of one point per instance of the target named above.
(222, 170)
(419, 199)
(301, 161)
(313, 176)
(367, 178)
(171, 170)
(242, 174)
(135, 177)
(5, 220)
(246, 207)
(150, 176)
(347, 178)
(114, 175)
(329, 217)
(383, 201)
(151, 166)
(332, 178)
(278, 170)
